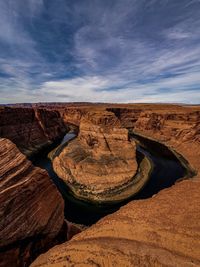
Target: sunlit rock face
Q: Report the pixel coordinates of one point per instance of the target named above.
(178, 125)
(160, 231)
(100, 158)
(73, 115)
(31, 210)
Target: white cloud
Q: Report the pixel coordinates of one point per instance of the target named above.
(122, 52)
(178, 35)
(94, 89)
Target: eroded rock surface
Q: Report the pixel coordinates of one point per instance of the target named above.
(100, 159)
(178, 129)
(31, 129)
(161, 231)
(183, 126)
(31, 210)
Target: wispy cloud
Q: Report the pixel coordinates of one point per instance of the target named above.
(110, 51)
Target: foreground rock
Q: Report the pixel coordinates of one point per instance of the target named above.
(161, 231)
(100, 160)
(31, 210)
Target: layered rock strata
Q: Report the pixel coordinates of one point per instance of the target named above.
(101, 159)
(31, 210)
(127, 116)
(73, 115)
(183, 126)
(31, 129)
(161, 231)
(180, 130)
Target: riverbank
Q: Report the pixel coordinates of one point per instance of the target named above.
(138, 182)
(112, 195)
(165, 173)
(167, 151)
(120, 193)
(156, 230)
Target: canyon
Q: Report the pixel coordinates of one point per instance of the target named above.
(31, 209)
(100, 161)
(31, 129)
(31, 212)
(163, 230)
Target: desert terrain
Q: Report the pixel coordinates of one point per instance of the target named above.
(97, 165)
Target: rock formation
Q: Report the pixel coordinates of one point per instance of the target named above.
(179, 129)
(183, 126)
(127, 116)
(31, 210)
(31, 129)
(161, 231)
(73, 115)
(100, 160)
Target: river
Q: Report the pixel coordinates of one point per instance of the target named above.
(167, 170)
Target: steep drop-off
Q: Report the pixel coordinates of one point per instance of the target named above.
(31, 210)
(31, 129)
(178, 129)
(183, 126)
(160, 231)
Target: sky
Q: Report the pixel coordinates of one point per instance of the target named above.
(100, 51)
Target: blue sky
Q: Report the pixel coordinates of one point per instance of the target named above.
(100, 51)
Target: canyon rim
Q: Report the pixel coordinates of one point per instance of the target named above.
(99, 133)
(147, 232)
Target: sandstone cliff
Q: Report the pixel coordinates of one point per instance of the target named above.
(127, 116)
(100, 160)
(31, 210)
(73, 115)
(179, 129)
(183, 126)
(161, 231)
(31, 129)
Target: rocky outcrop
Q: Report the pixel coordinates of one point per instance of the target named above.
(31, 129)
(73, 115)
(183, 126)
(178, 129)
(31, 210)
(127, 116)
(100, 160)
(161, 231)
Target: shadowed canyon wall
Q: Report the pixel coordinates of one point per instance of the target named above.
(31, 129)
(161, 231)
(31, 210)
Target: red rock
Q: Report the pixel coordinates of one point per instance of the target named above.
(31, 129)
(100, 160)
(31, 210)
(160, 231)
